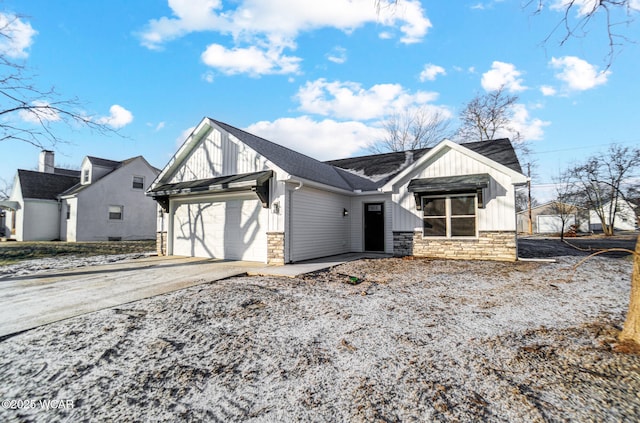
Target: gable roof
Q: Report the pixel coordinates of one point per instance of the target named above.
(381, 168)
(295, 163)
(44, 186)
(366, 173)
(112, 164)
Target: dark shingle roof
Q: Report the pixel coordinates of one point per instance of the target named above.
(44, 186)
(97, 161)
(381, 168)
(296, 163)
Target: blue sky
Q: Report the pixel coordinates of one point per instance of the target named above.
(318, 77)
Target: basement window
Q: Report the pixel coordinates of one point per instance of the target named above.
(449, 216)
(115, 212)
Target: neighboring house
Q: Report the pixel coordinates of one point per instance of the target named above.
(547, 218)
(626, 218)
(105, 200)
(232, 195)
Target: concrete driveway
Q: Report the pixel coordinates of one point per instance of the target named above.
(30, 301)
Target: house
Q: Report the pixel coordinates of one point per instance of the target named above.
(626, 217)
(104, 200)
(232, 195)
(547, 218)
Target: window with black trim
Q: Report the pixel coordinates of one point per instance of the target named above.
(115, 212)
(138, 182)
(449, 216)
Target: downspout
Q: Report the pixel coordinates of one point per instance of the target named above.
(288, 235)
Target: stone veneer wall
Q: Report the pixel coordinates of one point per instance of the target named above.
(275, 248)
(499, 246)
(161, 243)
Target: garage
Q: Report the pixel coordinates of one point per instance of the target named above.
(552, 224)
(232, 228)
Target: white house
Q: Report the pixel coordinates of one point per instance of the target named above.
(229, 194)
(109, 203)
(104, 200)
(626, 218)
(548, 218)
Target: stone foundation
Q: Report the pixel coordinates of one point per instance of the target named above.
(402, 244)
(275, 248)
(161, 243)
(500, 246)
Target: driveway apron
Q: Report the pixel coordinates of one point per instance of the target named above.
(30, 301)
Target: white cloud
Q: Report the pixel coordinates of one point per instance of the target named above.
(578, 74)
(39, 112)
(322, 140)
(548, 90)
(119, 117)
(337, 55)
(349, 100)
(251, 60)
(17, 36)
(431, 71)
(529, 129)
(502, 75)
(269, 26)
(160, 126)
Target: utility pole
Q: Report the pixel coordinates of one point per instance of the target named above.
(529, 197)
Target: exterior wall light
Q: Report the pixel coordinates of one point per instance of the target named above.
(345, 212)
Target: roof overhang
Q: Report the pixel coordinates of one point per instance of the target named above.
(516, 177)
(449, 185)
(257, 182)
(11, 205)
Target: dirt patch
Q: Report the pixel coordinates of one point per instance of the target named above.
(541, 247)
(413, 340)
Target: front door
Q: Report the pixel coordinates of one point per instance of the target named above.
(374, 227)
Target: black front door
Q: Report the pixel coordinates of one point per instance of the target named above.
(374, 227)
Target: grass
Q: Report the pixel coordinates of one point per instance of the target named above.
(14, 252)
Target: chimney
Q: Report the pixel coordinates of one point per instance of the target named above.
(46, 162)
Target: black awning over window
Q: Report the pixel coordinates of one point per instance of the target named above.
(449, 184)
(257, 182)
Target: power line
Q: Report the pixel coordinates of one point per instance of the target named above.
(585, 147)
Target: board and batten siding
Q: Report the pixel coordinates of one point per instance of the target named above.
(356, 212)
(219, 154)
(499, 197)
(317, 226)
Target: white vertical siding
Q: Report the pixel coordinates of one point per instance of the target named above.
(317, 226)
(499, 197)
(219, 154)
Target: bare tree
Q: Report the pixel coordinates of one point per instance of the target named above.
(28, 113)
(412, 129)
(487, 116)
(579, 16)
(600, 181)
(564, 204)
(5, 189)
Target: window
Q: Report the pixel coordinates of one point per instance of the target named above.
(115, 212)
(138, 182)
(68, 211)
(85, 176)
(452, 216)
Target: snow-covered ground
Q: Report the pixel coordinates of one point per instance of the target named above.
(42, 265)
(416, 340)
